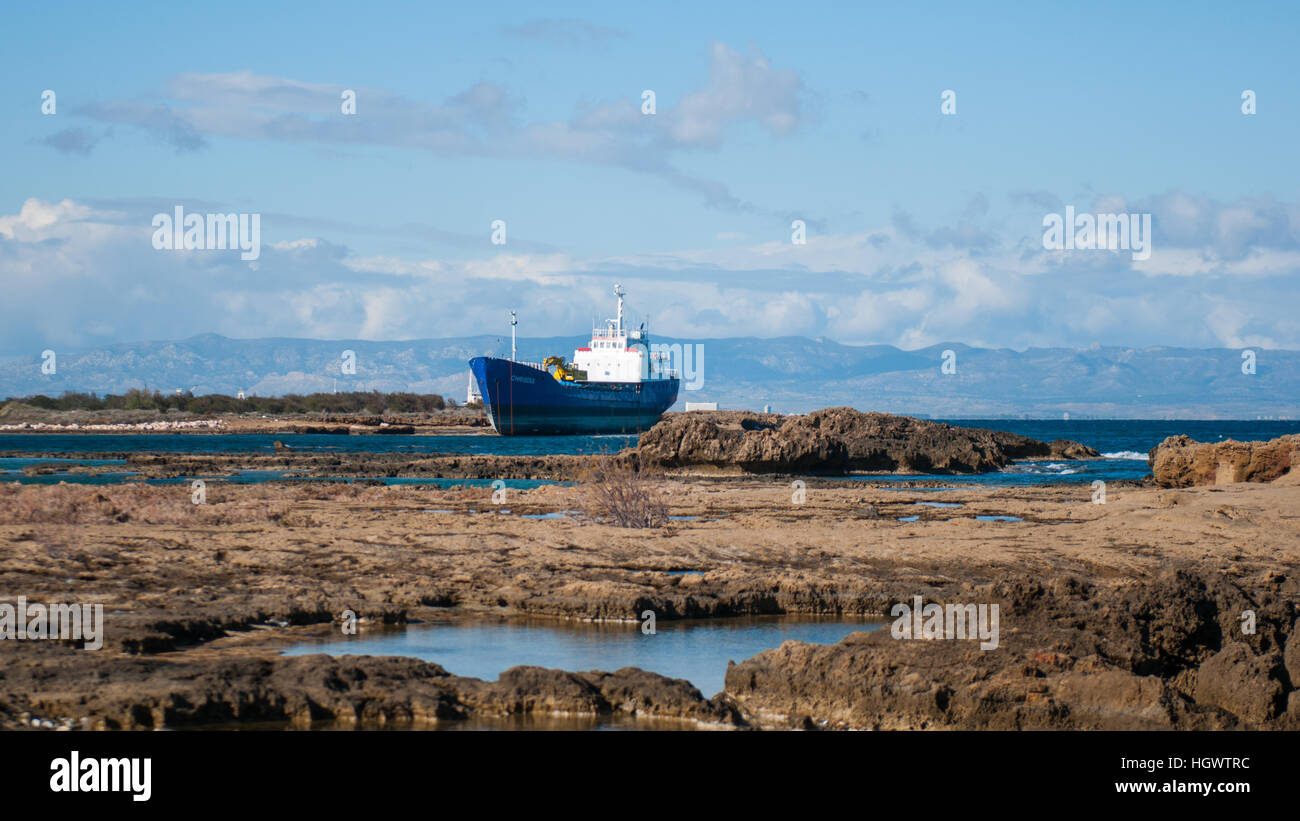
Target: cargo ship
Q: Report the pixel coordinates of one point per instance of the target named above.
(614, 385)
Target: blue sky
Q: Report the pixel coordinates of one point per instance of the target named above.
(921, 227)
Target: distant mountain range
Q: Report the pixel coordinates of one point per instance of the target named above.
(792, 374)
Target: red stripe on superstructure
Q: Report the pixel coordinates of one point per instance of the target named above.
(584, 349)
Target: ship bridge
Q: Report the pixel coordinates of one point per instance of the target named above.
(617, 353)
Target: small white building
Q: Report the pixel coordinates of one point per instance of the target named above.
(701, 406)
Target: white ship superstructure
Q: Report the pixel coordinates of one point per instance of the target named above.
(616, 353)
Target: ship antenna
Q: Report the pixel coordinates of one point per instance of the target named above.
(513, 349)
(619, 292)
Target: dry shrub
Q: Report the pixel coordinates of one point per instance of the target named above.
(618, 493)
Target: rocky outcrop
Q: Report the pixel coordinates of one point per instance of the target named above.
(1181, 461)
(1166, 655)
(1015, 446)
(1291, 656)
(837, 440)
(365, 691)
(1243, 683)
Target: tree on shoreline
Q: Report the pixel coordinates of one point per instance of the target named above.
(356, 402)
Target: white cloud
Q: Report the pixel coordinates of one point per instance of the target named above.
(484, 120)
(38, 220)
(1226, 322)
(78, 275)
(739, 89)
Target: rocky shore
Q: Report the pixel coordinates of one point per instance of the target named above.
(1167, 654)
(18, 418)
(159, 426)
(306, 464)
(1126, 614)
(351, 691)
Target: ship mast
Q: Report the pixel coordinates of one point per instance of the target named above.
(619, 292)
(513, 349)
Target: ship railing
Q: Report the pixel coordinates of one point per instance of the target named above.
(538, 365)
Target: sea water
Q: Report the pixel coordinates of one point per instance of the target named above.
(696, 650)
(1123, 443)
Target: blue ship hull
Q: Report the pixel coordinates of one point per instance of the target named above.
(521, 400)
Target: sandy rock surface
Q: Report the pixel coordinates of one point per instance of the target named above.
(1115, 615)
